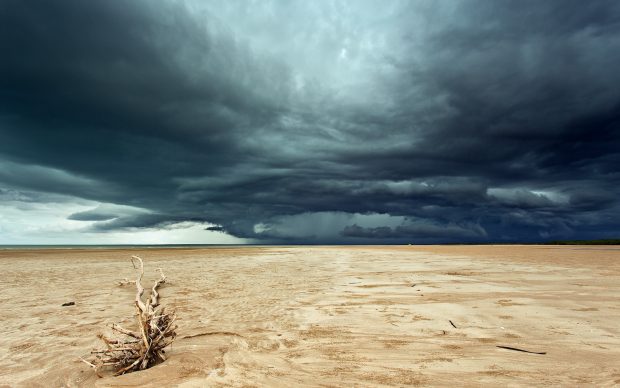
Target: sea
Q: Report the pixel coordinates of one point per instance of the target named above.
(126, 246)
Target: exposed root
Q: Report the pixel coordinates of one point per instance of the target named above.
(141, 349)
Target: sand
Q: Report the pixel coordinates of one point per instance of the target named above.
(324, 316)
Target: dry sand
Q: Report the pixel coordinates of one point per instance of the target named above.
(324, 316)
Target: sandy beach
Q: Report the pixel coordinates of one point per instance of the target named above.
(324, 316)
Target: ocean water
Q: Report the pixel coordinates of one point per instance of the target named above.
(125, 246)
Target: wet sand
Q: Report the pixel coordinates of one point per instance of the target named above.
(324, 316)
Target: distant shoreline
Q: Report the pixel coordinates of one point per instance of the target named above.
(610, 241)
(182, 246)
(125, 246)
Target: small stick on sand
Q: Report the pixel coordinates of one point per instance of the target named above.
(452, 323)
(125, 282)
(519, 350)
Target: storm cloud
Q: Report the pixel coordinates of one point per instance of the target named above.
(315, 122)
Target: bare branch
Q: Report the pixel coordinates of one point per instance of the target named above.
(139, 288)
(154, 299)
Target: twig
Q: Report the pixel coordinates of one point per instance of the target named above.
(519, 350)
(125, 282)
(213, 333)
(122, 330)
(452, 323)
(88, 363)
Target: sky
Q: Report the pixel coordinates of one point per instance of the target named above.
(318, 122)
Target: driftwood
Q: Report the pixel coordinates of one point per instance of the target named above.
(141, 349)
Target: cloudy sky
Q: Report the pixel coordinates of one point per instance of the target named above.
(308, 121)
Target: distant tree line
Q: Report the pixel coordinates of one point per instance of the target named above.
(606, 241)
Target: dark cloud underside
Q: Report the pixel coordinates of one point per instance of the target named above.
(344, 121)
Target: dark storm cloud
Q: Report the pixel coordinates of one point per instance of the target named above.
(122, 215)
(90, 215)
(158, 221)
(421, 232)
(110, 90)
(343, 121)
(216, 228)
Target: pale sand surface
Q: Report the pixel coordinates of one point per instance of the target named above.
(324, 316)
